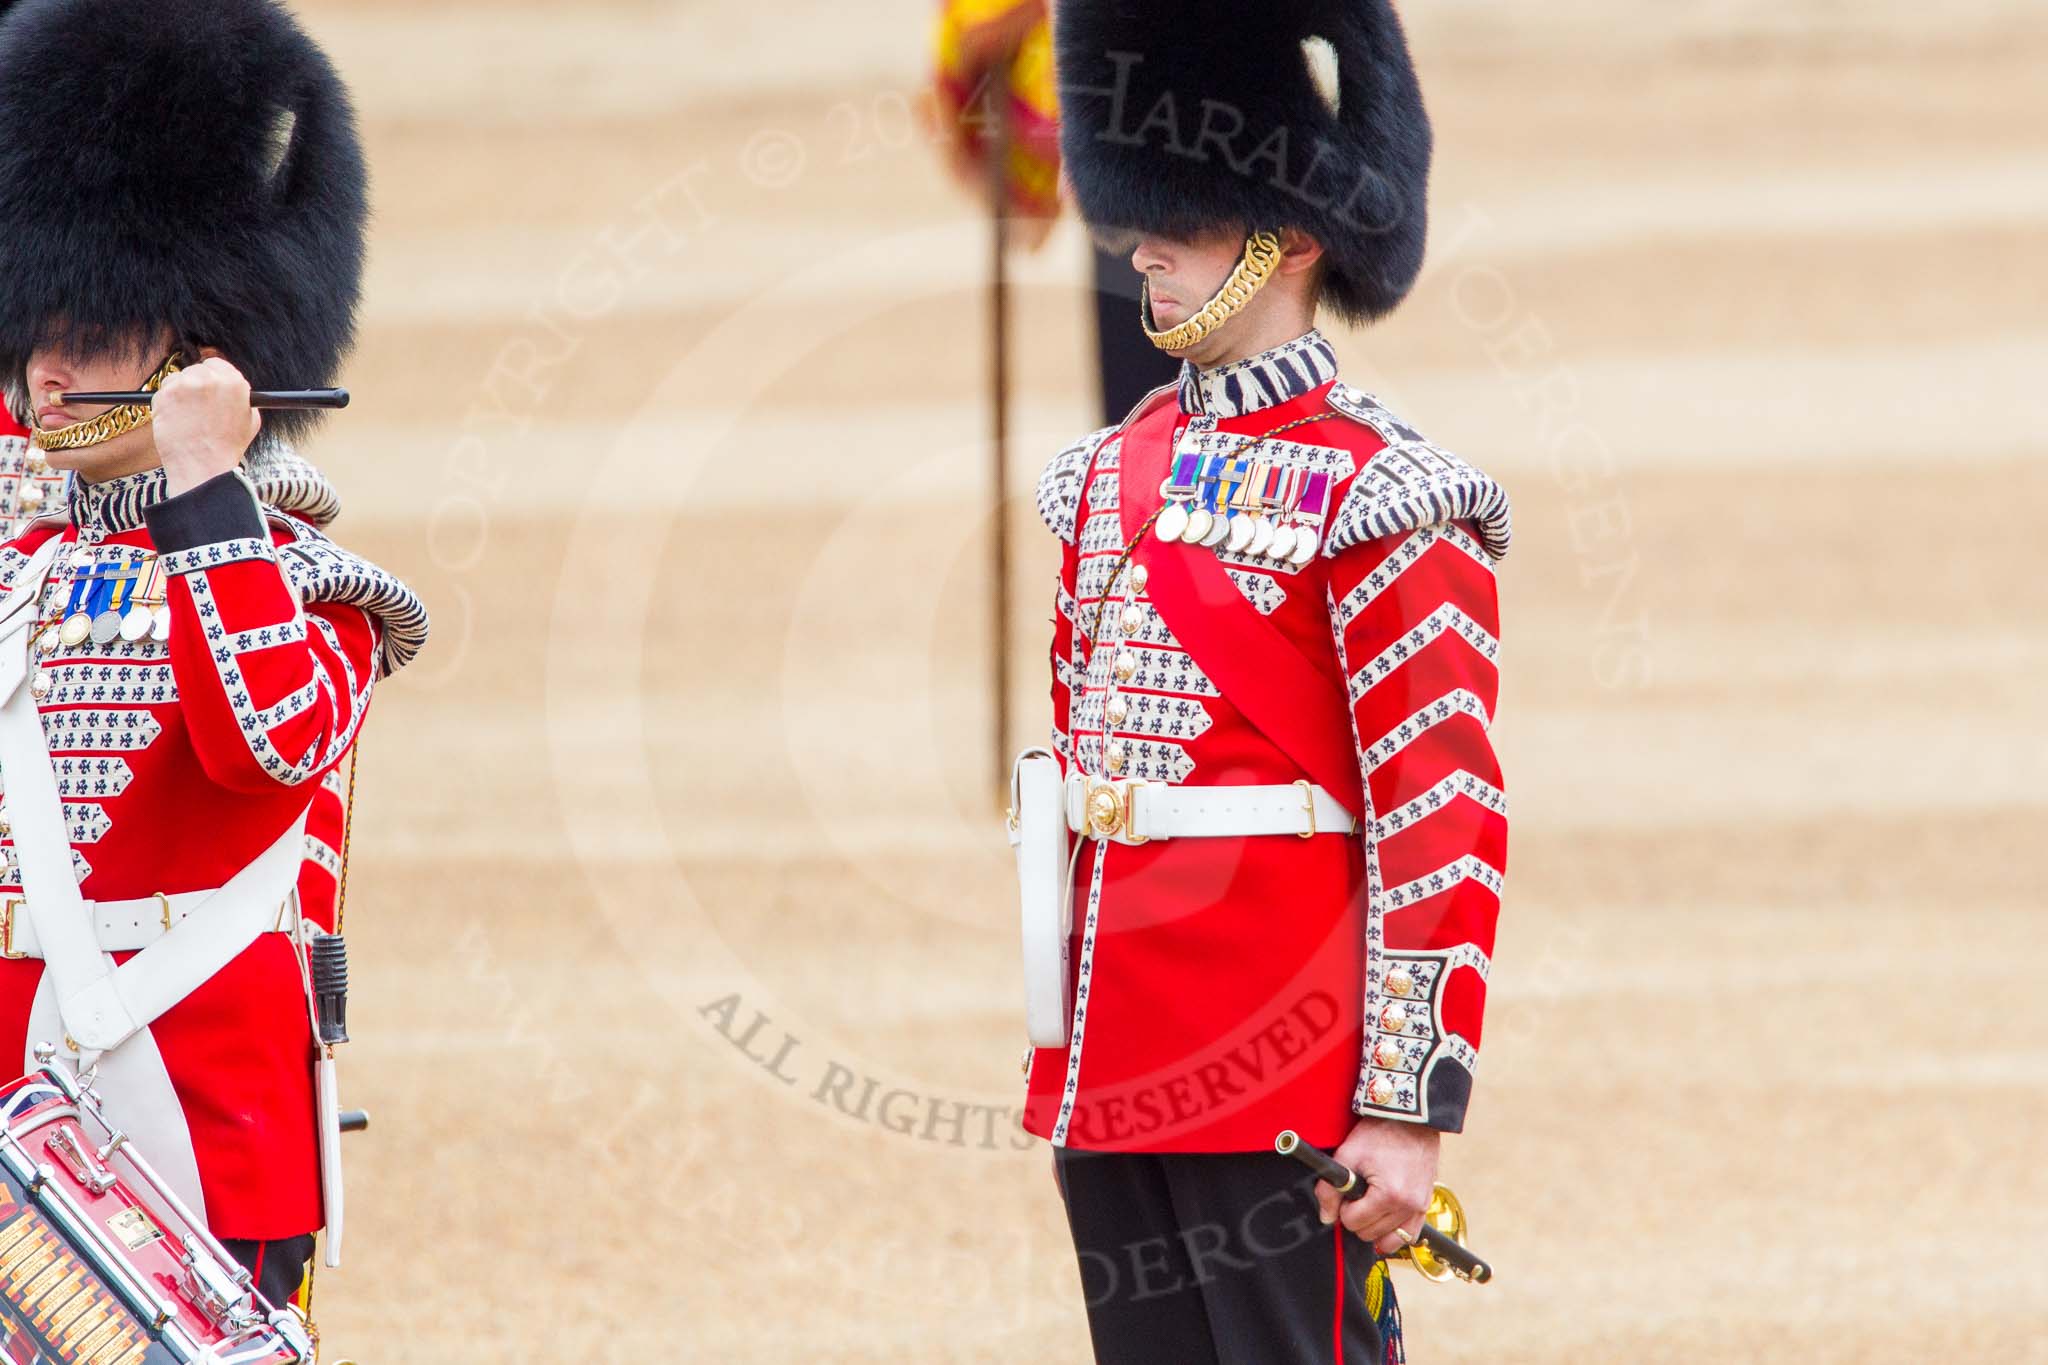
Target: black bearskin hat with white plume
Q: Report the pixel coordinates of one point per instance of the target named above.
(190, 164)
(1181, 116)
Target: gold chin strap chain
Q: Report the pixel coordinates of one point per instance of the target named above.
(1261, 256)
(113, 422)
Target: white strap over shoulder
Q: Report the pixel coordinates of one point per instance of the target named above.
(19, 613)
(76, 964)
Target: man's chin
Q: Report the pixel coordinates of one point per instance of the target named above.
(66, 461)
(1165, 321)
(110, 459)
(1168, 319)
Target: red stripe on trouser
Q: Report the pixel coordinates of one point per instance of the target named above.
(1337, 1323)
(256, 1272)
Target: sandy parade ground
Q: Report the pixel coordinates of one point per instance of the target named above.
(687, 1004)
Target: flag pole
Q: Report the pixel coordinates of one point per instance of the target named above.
(999, 422)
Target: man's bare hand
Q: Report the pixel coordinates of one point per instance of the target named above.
(203, 423)
(1398, 1161)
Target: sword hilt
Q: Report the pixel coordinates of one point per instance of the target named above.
(328, 955)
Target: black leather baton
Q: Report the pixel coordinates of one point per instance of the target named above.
(259, 398)
(1350, 1185)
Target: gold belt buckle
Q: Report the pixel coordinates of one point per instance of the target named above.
(1109, 813)
(8, 908)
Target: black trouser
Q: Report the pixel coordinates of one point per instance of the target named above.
(1220, 1259)
(1131, 365)
(278, 1266)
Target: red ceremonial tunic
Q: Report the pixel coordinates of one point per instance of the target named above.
(179, 761)
(29, 487)
(1226, 988)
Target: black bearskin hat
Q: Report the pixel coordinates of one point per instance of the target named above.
(182, 163)
(1180, 116)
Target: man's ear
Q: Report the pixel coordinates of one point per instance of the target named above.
(1298, 251)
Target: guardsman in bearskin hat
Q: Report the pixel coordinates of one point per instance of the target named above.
(183, 663)
(1274, 670)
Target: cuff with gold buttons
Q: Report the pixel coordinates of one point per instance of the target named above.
(1412, 1069)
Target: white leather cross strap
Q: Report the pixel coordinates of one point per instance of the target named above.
(20, 612)
(1133, 811)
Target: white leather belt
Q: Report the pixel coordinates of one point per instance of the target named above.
(1134, 811)
(120, 926)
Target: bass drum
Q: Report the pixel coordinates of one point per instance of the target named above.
(100, 1264)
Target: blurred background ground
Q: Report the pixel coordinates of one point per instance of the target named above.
(669, 400)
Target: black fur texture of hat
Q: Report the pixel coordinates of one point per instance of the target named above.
(191, 164)
(1181, 116)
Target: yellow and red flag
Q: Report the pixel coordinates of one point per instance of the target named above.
(993, 71)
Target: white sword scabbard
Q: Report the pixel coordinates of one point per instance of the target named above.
(1038, 833)
(330, 1154)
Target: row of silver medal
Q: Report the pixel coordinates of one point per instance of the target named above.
(141, 621)
(134, 625)
(1252, 534)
